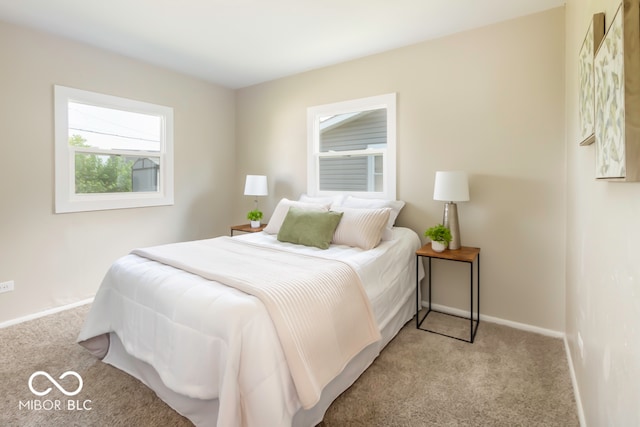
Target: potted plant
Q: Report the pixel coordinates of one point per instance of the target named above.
(440, 237)
(254, 216)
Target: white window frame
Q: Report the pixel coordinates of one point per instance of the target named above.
(371, 168)
(314, 114)
(66, 199)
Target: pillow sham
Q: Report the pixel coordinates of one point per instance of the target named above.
(309, 228)
(395, 205)
(280, 212)
(361, 228)
(322, 200)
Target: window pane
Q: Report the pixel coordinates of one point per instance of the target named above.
(353, 131)
(97, 173)
(351, 173)
(108, 128)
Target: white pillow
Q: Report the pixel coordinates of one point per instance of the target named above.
(395, 205)
(361, 228)
(323, 200)
(281, 210)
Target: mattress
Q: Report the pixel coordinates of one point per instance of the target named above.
(265, 393)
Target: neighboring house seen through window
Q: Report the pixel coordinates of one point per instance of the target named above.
(352, 148)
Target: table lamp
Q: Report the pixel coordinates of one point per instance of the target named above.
(451, 187)
(255, 185)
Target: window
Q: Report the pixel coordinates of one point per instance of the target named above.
(352, 148)
(111, 152)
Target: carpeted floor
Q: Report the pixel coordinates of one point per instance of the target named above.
(506, 378)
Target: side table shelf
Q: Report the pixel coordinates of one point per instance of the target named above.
(464, 254)
(246, 228)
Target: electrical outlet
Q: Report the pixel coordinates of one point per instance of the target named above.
(6, 286)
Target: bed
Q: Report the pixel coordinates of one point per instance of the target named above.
(204, 336)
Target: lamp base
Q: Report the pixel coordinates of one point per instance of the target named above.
(450, 220)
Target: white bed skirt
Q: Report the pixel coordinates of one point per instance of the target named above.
(204, 413)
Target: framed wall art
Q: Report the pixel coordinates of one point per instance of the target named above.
(586, 104)
(617, 97)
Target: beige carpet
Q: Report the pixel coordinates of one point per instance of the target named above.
(506, 378)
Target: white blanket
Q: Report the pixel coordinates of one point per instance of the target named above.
(208, 342)
(318, 306)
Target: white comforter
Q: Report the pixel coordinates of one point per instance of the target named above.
(209, 341)
(309, 299)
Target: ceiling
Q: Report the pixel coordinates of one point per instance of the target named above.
(238, 43)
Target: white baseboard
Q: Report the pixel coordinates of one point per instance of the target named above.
(574, 383)
(45, 313)
(484, 318)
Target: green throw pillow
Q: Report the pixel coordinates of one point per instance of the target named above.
(309, 228)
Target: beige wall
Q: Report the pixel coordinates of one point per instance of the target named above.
(603, 260)
(60, 259)
(488, 101)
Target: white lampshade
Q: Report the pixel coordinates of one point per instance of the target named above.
(255, 185)
(451, 186)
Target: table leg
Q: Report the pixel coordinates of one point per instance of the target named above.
(471, 307)
(418, 259)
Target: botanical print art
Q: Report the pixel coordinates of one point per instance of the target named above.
(609, 103)
(586, 101)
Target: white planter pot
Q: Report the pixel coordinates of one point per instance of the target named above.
(438, 246)
(255, 224)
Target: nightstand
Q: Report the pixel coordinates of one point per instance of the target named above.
(464, 254)
(246, 228)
